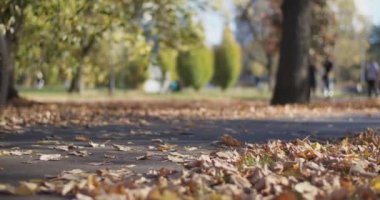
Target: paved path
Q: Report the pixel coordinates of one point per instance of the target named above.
(199, 134)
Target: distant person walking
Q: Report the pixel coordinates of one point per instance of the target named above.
(327, 78)
(372, 74)
(312, 78)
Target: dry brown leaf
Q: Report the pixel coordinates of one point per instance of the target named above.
(147, 156)
(82, 138)
(286, 196)
(122, 147)
(68, 187)
(307, 190)
(110, 156)
(230, 141)
(26, 189)
(80, 153)
(175, 159)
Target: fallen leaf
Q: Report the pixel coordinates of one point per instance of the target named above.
(286, 196)
(229, 141)
(166, 147)
(48, 142)
(157, 140)
(15, 152)
(6, 188)
(190, 148)
(80, 196)
(98, 145)
(175, 159)
(110, 156)
(375, 184)
(147, 156)
(26, 189)
(307, 190)
(80, 153)
(62, 148)
(68, 187)
(50, 157)
(82, 138)
(122, 147)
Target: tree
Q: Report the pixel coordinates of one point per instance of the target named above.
(11, 23)
(167, 60)
(79, 25)
(260, 24)
(227, 65)
(292, 84)
(259, 32)
(352, 30)
(195, 66)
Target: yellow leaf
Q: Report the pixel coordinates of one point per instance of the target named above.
(375, 184)
(316, 146)
(5, 188)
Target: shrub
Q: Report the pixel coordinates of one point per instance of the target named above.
(227, 61)
(134, 74)
(195, 66)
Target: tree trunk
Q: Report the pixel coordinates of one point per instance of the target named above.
(292, 84)
(269, 67)
(7, 89)
(111, 86)
(76, 84)
(5, 70)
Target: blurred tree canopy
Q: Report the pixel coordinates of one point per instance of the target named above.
(353, 31)
(337, 30)
(112, 43)
(260, 22)
(81, 42)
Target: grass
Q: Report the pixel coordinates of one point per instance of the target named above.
(53, 94)
(59, 94)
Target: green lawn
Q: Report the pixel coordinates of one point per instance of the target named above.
(59, 94)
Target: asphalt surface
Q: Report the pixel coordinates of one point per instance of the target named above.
(196, 133)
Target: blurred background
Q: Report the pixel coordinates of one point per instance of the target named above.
(123, 49)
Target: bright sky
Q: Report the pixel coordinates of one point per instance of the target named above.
(213, 26)
(371, 8)
(214, 22)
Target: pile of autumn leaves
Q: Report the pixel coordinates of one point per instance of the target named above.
(301, 169)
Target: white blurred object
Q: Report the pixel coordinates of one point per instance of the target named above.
(152, 86)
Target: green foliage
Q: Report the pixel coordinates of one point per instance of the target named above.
(60, 35)
(195, 66)
(127, 57)
(351, 42)
(135, 73)
(257, 68)
(167, 60)
(227, 61)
